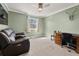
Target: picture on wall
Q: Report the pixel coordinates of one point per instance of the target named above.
(3, 16)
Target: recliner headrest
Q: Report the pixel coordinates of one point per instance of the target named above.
(8, 31)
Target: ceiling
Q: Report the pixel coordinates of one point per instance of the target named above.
(32, 8)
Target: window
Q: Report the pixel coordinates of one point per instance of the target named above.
(32, 24)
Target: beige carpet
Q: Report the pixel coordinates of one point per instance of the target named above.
(46, 47)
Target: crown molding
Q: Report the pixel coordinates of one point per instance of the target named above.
(13, 10)
(62, 9)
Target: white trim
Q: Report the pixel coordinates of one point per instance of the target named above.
(13, 10)
(62, 10)
(5, 7)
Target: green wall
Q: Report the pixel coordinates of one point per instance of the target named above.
(18, 22)
(46, 26)
(60, 22)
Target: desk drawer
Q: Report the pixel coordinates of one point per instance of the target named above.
(58, 42)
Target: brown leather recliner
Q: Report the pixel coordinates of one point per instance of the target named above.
(12, 44)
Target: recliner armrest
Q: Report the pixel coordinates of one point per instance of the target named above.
(19, 36)
(19, 41)
(22, 33)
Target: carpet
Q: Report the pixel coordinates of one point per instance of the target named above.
(46, 47)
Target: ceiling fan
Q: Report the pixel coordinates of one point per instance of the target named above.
(41, 6)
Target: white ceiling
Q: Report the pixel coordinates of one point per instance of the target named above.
(32, 8)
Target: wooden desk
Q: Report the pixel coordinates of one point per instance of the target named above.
(58, 38)
(77, 43)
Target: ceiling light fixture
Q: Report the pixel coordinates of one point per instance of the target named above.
(40, 6)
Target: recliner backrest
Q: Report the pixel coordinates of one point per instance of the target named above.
(8, 31)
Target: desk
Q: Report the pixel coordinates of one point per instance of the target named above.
(58, 40)
(77, 43)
